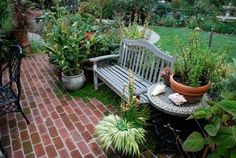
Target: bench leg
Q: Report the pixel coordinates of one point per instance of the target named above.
(95, 81)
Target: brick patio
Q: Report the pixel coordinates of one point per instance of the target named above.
(60, 126)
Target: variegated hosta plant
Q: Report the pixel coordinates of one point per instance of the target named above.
(117, 132)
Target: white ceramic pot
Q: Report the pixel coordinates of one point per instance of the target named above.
(73, 82)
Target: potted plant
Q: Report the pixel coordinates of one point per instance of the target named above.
(165, 74)
(69, 49)
(196, 68)
(21, 22)
(125, 133)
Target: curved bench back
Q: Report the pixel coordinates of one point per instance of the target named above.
(144, 59)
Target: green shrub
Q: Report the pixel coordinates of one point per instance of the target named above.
(219, 132)
(197, 64)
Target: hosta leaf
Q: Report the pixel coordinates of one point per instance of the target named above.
(200, 114)
(212, 129)
(229, 106)
(221, 150)
(227, 95)
(213, 155)
(224, 137)
(194, 142)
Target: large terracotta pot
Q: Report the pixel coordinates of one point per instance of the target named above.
(21, 36)
(191, 94)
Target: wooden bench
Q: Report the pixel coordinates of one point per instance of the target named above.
(144, 60)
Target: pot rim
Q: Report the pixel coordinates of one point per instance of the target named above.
(81, 74)
(185, 86)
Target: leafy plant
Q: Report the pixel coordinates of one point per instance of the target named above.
(220, 132)
(6, 21)
(125, 133)
(67, 46)
(119, 133)
(196, 64)
(133, 31)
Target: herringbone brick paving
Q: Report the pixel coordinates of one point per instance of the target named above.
(60, 126)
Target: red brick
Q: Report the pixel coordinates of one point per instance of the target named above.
(51, 152)
(59, 109)
(90, 128)
(79, 126)
(42, 129)
(53, 132)
(73, 117)
(69, 126)
(59, 124)
(75, 135)
(70, 144)
(78, 111)
(46, 139)
(98, 114)
(38, 120)
(16, 144)
(87, 137)
(35, 138)
(35, 112)
(84, 119)
(32, 128)
(83, 147)
(95, 148)
(88, 112)
(58, 143)
(94, 120)
(64, 133)
(75, 154)
(89, 156)
(69, 110)
(82, 105)
(63, 153)
(103, 156)
(49, 122)
(45, 113)
(18, 154)
(46, 101)
(27, 147)
(39, 150)
(54, 115)
(24, 135)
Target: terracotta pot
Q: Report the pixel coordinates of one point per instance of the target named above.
(21, 36)
(191, 94)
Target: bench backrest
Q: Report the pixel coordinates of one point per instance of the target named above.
(144, 59)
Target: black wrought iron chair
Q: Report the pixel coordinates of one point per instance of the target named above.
(11, 90)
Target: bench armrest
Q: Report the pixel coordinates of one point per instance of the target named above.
(96, 59)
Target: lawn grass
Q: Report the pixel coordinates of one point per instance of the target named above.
(169, 35)
(103, 94)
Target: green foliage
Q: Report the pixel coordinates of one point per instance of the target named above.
(6, 19)
(228, 84)
(197, 64)
(194, 142)
(115, 131)
(133, 31)
(125, 133)
(220, 131)
(67, 44)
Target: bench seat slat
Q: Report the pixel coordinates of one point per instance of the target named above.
(110, 75)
